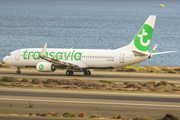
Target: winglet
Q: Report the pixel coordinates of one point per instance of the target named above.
(43, 52)
(153, 50)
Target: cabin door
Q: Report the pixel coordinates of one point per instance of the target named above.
(121, 58)
(17, 55)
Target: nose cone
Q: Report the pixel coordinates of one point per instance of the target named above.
(5, 59)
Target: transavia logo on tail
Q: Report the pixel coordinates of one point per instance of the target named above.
(143, 38)
(41, 67)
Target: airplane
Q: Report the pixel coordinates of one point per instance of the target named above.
(82, 60)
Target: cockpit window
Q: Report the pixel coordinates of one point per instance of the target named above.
(10, 54)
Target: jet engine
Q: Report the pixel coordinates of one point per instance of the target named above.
(45, 67)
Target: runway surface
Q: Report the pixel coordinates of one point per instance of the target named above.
(31, 118)
(109, 104)
(96, 75)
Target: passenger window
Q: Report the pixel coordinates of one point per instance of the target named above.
(10, 54)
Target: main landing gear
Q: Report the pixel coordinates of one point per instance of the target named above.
(68, 72)
(87, 72)
(71, 72)
(18, 71)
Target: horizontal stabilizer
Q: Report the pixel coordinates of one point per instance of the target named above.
(138, 53)
(162, 53)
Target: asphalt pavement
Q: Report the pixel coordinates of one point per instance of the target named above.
(96, 75)
(108, 104)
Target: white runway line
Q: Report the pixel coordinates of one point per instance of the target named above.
(87, 102)
(92, 92)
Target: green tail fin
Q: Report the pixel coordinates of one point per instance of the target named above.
(143, 37)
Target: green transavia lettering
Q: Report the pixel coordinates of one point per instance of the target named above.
(55, 55)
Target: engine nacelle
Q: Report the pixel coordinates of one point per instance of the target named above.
(45, 67)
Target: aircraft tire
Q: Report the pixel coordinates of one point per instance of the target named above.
(85, 72)
(67, 73)
(71, 72)
(89, 72)
(18, 72)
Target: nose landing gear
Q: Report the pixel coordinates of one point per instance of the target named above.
(18, 71)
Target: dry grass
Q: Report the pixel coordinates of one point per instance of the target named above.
(129, 69)
(4, 65)
(170, 117)
(30, 114)
(36, 81)
(48, 85)
(53, 114)
(127, 82)
(141, 118)
(80, 84)
(38, 114)
(78, 80)
(119, 116)
(150, 69)
(94, 116)
(51, 81)
(8, 79)
(69, 115)
(25, 80)
(63, 82)
(106, 81)
(114, 117)
(82, 115)
(4, 84)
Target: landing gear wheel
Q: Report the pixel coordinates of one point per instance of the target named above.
(87, 72)
(69, 72)
(18, 71)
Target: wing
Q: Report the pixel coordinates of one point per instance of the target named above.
(60, 62)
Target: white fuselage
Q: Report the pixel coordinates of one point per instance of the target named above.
(85, 58)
